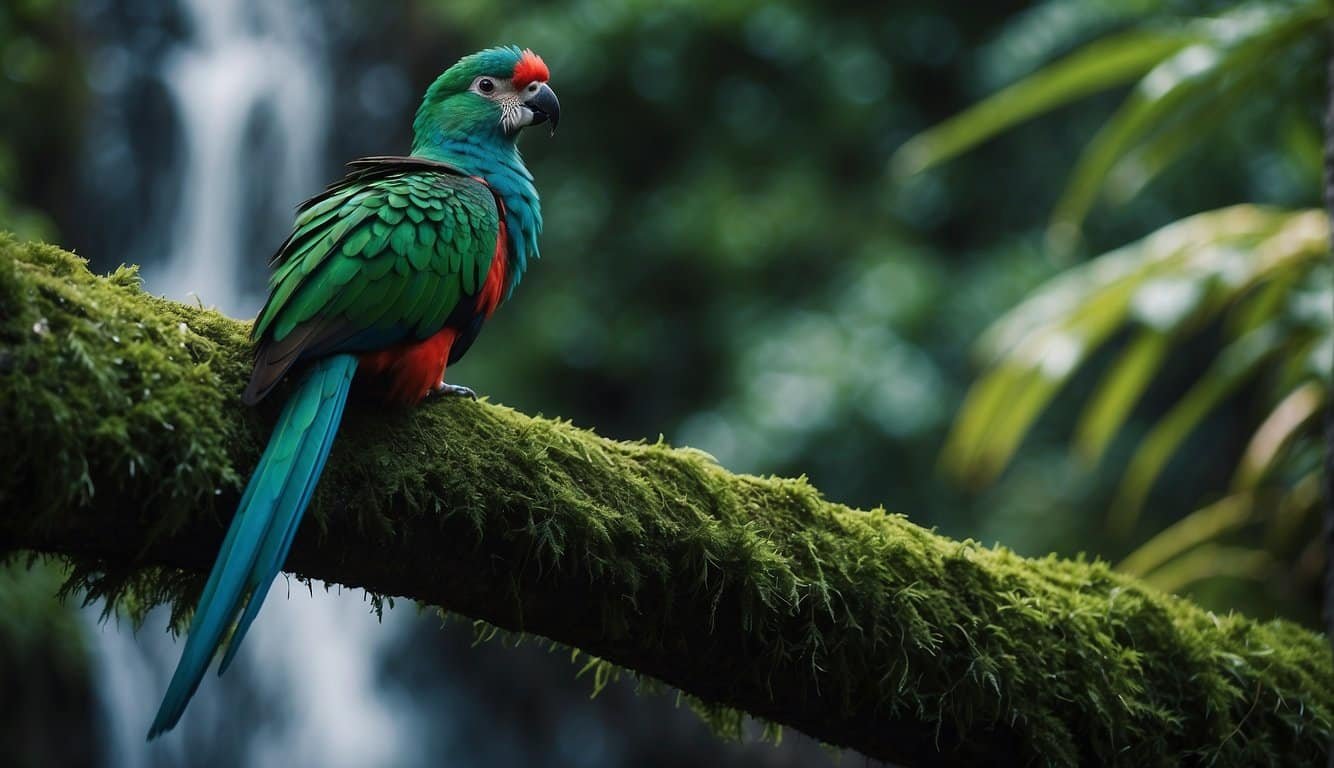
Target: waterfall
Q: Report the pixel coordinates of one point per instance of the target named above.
(249, 90)
(302, 690)
(242, 59)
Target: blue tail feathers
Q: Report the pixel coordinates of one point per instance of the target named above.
(262, 530)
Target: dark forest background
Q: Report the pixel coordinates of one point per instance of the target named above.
(736, 258)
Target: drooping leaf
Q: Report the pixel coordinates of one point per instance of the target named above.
(1202, 111)
(1276, 431)
(1201, 526)
(1168, 284)
(1118, 392)
(1097, 67)
(1299, 504)
(1236, 363)
(1211, 561)
(1231, 46)
(1115, 276)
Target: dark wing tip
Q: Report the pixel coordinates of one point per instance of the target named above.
(255, 391)
(273, 359)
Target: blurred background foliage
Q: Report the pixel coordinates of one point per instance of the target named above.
(41, 95)
(908, 251)
(44, 670)
(1257, 278)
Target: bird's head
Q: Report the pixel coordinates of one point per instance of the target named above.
(492, 94)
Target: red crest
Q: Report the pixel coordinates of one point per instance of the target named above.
(529, 69)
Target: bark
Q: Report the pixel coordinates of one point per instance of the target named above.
(127, 445)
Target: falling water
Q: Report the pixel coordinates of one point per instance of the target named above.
(242, 58)
(302, 691)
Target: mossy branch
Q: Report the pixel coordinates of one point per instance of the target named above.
(125, 445)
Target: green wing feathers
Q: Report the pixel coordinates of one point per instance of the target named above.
(378, 259)
(362, 249)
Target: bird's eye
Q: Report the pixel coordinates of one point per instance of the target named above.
(485, 85)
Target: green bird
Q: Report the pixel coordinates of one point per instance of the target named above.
(387, 277)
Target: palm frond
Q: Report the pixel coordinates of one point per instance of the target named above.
(1101, 65)
(1199, 527)
(1227, 59)
(1188, 75)
(1162, 287)
(1233, 366)
(1212, 561)
(1277, 430)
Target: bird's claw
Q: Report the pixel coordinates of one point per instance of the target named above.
(453, 390)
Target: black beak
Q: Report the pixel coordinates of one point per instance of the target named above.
(545, 106)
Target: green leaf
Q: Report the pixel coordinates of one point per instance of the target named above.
(1098, 66)
(1202, 111)
(1276, 431)
(1251, 37)
(996, 422)
(970, 433)
(1118, 393)
(1206, 524)
(1233, 366)
(1289, 523)
(1263, 304)
(1211, 561)
(1190, 246)
(1168, 283)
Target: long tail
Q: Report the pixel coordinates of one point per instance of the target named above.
(262, 530)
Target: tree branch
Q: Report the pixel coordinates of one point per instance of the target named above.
(127, 444)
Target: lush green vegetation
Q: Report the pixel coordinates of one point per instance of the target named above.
(751, 594)
(1031, 273)
(1260, 278)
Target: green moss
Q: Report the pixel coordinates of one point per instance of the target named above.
(751, 594)
(99, 380)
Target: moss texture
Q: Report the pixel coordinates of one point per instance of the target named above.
(127, 443)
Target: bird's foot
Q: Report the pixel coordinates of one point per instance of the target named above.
(453, 390)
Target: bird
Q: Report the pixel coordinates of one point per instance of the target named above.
(386, 278)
